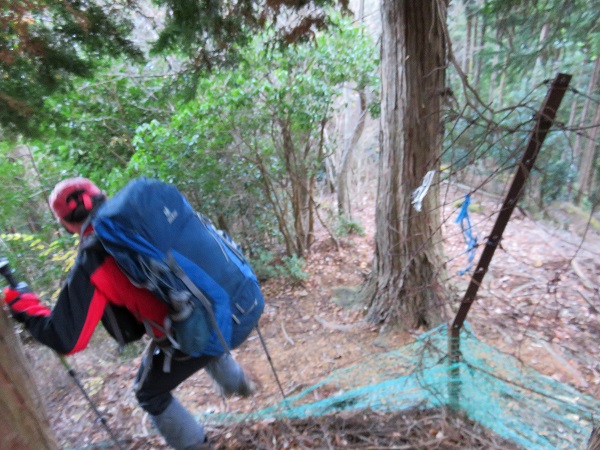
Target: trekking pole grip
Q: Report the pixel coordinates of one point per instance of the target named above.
(7, 273)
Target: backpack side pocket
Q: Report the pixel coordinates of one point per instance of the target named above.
(247, 306)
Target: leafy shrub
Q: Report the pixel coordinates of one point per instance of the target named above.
(41, 264)
(346, 227)
(267, 265)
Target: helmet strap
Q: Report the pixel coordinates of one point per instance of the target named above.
(87, 201)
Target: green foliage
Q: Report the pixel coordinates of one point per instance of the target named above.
(44, 45)
(262, 264)
(345, 227)
(24, 192)
(12, 198)
(293, 268)
(212, 34)
(255, 131)
(519, 45)
(223, 149)
(28, 231)
(267, 265)
(490, 147)
(92, 128)
(528, 40)
(205, 27)
(554, 170)
(43, 265)
(508, 49)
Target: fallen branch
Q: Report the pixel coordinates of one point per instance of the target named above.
(523, 287)
(333, 326)
(285, 335)
(564, 364)
(593, 309)
(586, 282)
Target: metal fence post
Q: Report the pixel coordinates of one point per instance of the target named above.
(544, 120)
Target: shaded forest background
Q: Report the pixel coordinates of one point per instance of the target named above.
(255, 145)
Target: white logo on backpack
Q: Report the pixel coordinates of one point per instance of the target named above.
(170, 215)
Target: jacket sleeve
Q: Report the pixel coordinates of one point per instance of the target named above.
(73, 319)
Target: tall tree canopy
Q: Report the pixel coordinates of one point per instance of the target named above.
(44, 43)
(211, 31)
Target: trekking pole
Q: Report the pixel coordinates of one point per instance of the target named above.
(101, 418)
(21, 286)
(262, 341)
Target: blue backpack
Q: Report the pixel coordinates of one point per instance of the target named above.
(163, 245)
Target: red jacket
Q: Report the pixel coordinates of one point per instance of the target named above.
(94, 282)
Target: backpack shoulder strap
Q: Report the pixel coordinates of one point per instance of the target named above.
(112, 319)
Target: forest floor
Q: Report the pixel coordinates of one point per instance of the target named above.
(539, 302)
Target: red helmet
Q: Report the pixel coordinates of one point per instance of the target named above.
(70, 193)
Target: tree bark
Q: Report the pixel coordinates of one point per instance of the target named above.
(301, 184)
(23, 424)
(585, 173)
(586, 169)
(594, 442)
(478, 60)
(344, 181)
(404, 289)
(471, 37)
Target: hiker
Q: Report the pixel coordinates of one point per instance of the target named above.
(97, 290)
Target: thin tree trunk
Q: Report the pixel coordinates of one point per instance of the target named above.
(589, 149)
(278, 206)
(475, 41)
(300, 189)
(468, 39)
(492, 90)
(361, 11)
(586, 170)
(404, 287)
(570, 156)
(23, 424)
(571, 125)
(344, 181)
(586, 106)
(541, 60)
(478, 60)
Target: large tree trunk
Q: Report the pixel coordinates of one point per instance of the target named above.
(594, 442)
(404, 288)
(23, 424)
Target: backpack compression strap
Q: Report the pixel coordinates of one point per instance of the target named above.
(178, 271)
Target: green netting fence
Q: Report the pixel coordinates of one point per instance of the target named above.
(496, 390)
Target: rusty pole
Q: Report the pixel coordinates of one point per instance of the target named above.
(544, 120)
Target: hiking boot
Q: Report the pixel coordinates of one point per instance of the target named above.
(230, 379)
(179, 427)
(250, 385)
